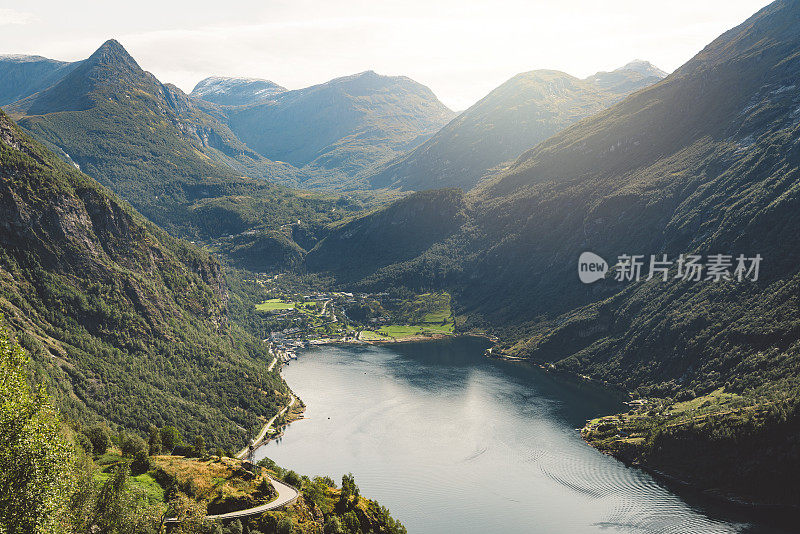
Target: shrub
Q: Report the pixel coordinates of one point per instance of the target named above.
(100, 438)
(131, 445)
(293, 479)
(141, 463)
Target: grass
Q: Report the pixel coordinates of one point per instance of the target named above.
(396, 330)
(109, 457)
(707, 402)
(446, 328)
(371, 335)
(438, 317)
(274, 305)
(148, 485)
(220, 482)
(619, 432)
(144, 484)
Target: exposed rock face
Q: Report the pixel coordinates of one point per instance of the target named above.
(110, 304)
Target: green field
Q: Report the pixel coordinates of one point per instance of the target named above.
(371, 335)
(439, 315)
(396, 331)
(446, 328)
(144, 484)
(274, 305)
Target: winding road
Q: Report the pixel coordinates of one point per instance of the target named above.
(261, 435)
(286, 493)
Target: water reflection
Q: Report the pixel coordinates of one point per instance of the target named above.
(453, 442)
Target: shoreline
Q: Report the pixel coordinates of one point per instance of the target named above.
(420, 338)
(263, 436)
(689, 492)
(676, 484)
(681, 487)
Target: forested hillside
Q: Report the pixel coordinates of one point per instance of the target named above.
(124, 322)
(397, 233)
(173, 158)
(685, 166)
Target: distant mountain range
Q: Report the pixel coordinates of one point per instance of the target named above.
(364, 131)
(629, 78)
(328, 133)
(25, 75)
(343, 128)
(525, 110)
(227, 91)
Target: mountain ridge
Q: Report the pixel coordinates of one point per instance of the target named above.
(526, 109)
(358, 121)
(24, 75)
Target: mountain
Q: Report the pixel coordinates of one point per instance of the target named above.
(629, 78)
(705, 162)
(170, 156)
(227, 91)
(22, 75)
(394, 234)
(110, 92)
(682, 166)
(525, 110)
(123, 321)
(341, 128)
(645, 68)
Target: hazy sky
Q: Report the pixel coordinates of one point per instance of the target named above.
(459, 48)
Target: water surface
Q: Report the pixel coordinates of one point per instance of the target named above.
(452, 442)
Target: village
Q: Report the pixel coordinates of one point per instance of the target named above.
(317, 318)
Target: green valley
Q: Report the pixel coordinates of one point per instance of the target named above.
(165, 257)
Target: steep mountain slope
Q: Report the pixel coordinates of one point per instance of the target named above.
(167, 154)
(227, 91)
(393, 234)
(343, 127)
(126, 322)
(527, 109)
(21, 75)
(705, 161)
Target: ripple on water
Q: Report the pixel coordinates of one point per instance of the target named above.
(632, 500)
(463, 449)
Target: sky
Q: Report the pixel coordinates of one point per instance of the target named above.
(460, 49)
